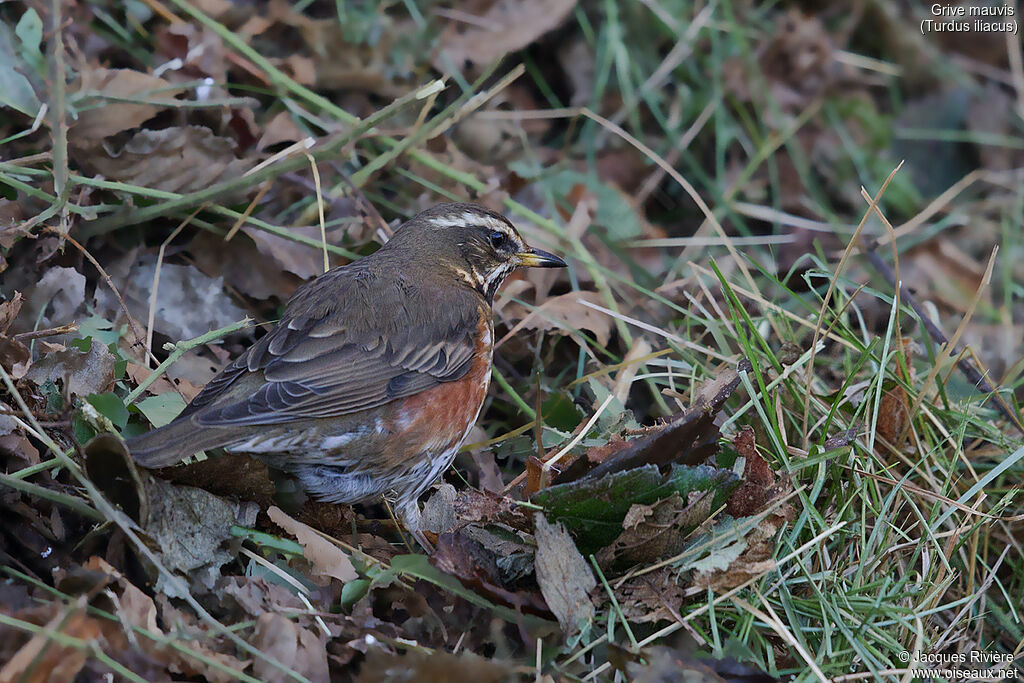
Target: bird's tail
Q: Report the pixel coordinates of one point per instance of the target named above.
(173, 443)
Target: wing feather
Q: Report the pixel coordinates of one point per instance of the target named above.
(333, 358)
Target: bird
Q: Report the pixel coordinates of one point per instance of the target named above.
(376, 372)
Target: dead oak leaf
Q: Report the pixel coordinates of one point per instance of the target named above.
(9, 311)
(567, 314)
(507, 26)
(650, 597)
(136, 609)
(43, 658)
(651, 532)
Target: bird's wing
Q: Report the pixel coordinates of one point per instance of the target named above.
(340, 356)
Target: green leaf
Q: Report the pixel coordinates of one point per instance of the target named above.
(81, 427)
(83, 344)
(100, 328)
(614, 212)
(560, 412)
(353, 590)
(419, 567)
(54, 399)
(30, 32)
(267, 541)
(16, 91)
(593, 509)
(720, 546)
(161, 409)
(109, 406)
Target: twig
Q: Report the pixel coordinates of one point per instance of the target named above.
(179, 350)
(110, 283)
(48, 332)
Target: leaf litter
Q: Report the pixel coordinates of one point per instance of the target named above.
(654, 495)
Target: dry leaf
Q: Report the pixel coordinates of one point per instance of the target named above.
(191, 528)
(209, 307)
(758, 487)
(507, 26)
(566, 315)
(327, 559)
(647, 598)
(15, 357)
(281, 128)
(135, 608)
(9, 311)
(651, 532)
(893, 417)
(44, 659)
(564, 577)
(82, 373)
(18, 445)
(302, 259)
(106, 117)
(439, 510)
(56, 299)
(297, 648)
(737, 561)
(183, 159)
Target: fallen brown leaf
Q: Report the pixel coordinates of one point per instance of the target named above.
(182, 159)
(327, 559)
(82, 373)
(758, 487)
(565, 315)
(650, 597)
(564, 577)
(45, 660)
(508, 25)
(9, 311)
(105, 117)
(652, 532)
(475, 566)
(297, 648)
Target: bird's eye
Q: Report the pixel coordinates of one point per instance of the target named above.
(497, 239)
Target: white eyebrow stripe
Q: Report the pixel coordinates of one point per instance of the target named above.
(447, 222)
(470, 219)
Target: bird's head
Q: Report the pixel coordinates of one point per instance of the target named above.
(476, 244)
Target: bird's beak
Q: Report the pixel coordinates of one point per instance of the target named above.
(539, 259)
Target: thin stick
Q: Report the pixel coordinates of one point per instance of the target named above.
(110, 283)
(151, 317)
(178, 351)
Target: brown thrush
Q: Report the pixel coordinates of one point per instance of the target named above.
(375, 373)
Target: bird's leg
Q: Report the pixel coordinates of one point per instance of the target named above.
(409, 514)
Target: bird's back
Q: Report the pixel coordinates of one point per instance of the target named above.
(355, 338)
